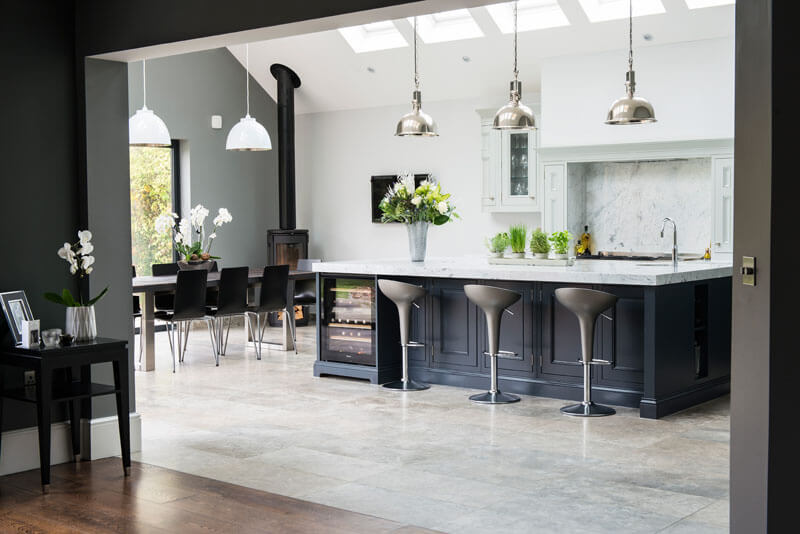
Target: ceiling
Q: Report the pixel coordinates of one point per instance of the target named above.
(334, 77)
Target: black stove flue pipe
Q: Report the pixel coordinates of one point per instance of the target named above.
(288, 81)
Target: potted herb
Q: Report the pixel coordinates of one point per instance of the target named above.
(497, 245)
(560, 241)
(81, 323)
(518, 237)
(417, 208)
(540, 246)
(189, 236)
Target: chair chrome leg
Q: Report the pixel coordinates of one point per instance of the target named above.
(172, 344)
(225, 347)
(261, 333)
(169, 336)
(263, 327)
(180, 338)
(405, 383)
(213, 344)
(292, 328)
(494, 396)
(141, 339)
(248, 317)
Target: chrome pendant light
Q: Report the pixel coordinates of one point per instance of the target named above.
(248, 135)
(145, 128)
(515, 115)
(417, 122)
(630, 109)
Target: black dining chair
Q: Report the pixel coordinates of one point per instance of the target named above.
(190, 305)
(137, 313)
(231, 301)
(305, 291)
(273, 297)
(164, 301)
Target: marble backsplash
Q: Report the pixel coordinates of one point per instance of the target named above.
(624, 203)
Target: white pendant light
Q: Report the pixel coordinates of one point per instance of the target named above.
(515, 115)
(145, 128)
(416, 122)
(630, 109)
(248, 135)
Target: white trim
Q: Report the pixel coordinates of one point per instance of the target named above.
(699, 148)
(19, 449)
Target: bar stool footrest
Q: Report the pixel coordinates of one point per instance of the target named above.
(414, 344)
(505, 355)
(595, 362)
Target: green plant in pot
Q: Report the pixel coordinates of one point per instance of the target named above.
(518, 239)
(497, 245)
(560, 241)
(540, 246)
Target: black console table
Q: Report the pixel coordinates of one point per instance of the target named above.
(47, 390)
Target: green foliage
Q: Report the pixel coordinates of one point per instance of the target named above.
(66, 298)
(403, 203)
(560, 241)
(151, 195)
(539, 243)
(518, 235)
(498, 243)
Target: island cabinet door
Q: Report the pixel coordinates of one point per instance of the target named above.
(560, 337)
(454, 326)
(516, 333)
(620, 335)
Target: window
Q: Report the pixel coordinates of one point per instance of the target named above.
(697, 4)
(531, 15)
(446, 26)
(155, 179)
(372, 37)
(602, 10)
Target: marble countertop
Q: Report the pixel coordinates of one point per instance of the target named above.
(653, 273)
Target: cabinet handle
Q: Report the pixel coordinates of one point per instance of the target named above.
(488, 198)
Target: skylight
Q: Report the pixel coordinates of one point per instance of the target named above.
(697, 4)
(602, 10)
(372, 37)
(531, 14)
(446, 26)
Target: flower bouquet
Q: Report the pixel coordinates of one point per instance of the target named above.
(189, 235)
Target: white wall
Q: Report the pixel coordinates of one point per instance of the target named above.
(338, 152)
(690, 85)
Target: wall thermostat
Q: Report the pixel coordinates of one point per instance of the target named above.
(216, 122)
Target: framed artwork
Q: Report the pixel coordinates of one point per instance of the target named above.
(380, 186)
(16, 309)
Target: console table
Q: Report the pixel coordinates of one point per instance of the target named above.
(47, 391)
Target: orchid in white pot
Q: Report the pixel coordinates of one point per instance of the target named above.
(189, 235)
(80, 322)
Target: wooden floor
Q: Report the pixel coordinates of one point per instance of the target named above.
(96, 497)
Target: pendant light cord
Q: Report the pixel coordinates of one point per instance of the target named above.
(144, 83)
(630, 34)
(416, 72)
(516, 70)
(247, 76)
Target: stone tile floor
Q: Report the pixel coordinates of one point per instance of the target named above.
(430, 458)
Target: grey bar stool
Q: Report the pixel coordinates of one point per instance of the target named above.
(587, 305)
(493, 301)
(403, 295)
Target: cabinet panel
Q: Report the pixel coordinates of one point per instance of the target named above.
(454, 326)
(516, 332)
(722, 169)
(490, 165)
(555, 197)
(621, 338)
(560, 337)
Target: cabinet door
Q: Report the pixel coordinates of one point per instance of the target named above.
(620, 336)
(419, 326)
(490, 165)
(516, 333)
(518, 169)
(560, 338)
(454, 326)
(722, 168)
(555, 197)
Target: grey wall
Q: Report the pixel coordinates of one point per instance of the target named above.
(185, 91)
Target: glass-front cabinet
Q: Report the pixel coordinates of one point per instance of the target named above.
(347, 321)
(510, 168)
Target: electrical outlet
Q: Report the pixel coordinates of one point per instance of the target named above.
(30, 378)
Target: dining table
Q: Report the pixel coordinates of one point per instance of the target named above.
(146, 287)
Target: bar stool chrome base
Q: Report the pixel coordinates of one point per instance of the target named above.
(590, 409)
(408, 385)
(494, 398)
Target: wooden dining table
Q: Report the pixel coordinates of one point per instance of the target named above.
(147, 286)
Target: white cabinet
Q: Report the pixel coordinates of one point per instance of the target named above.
(510, 178)
(722, 170)
(555, 196)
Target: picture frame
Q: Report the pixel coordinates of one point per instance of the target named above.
(379, 186)
(16, 309)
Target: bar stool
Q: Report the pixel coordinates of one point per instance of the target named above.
(587, 305)
(493, 301)
(403, 295)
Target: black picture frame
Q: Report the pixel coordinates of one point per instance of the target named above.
(16, 309)
(380, 185)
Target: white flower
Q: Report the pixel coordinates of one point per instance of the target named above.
(198, 216)
(86, 262)
(87, 248)
(224, 216)
(84, 236)
(442, 207)
(417, 200)
(165, 223)
(185, 229)
(89, 270)
(178, 237)
(408, 181)
(73, 266)
(65, 252)
(212, 236)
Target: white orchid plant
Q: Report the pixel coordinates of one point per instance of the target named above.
(81, 264)
(406, 203)
(189, 235)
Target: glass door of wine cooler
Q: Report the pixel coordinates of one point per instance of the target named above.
(347, 324)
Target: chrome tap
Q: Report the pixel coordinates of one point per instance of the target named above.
(674, 239)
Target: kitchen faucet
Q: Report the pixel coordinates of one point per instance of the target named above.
(674, 239)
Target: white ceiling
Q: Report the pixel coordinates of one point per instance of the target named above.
(336, 78)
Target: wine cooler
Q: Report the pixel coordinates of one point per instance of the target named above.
(347, 323)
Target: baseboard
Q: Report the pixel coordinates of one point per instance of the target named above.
(19, 449)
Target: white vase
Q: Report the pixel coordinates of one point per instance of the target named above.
(417, 240)
(81, 323)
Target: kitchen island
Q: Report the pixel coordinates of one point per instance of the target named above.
(667, 338)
